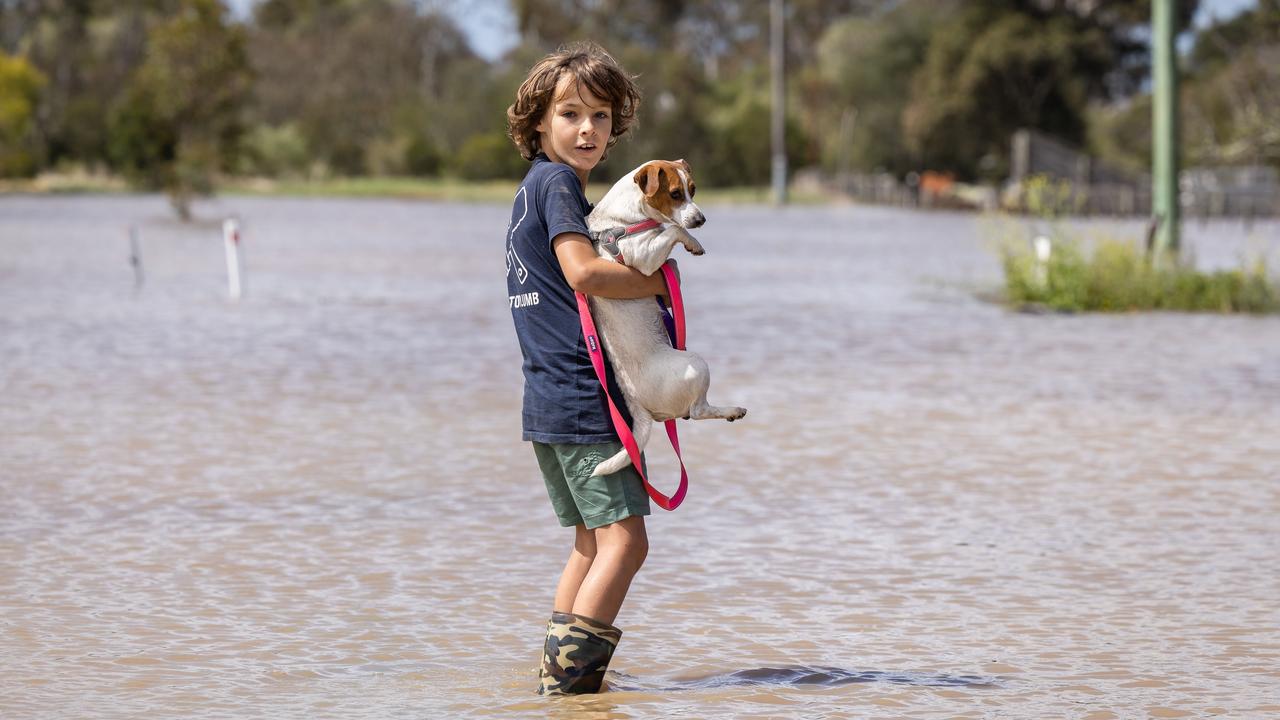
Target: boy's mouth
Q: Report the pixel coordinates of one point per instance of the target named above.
(587, 146)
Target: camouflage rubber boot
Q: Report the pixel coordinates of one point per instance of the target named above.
(576, 655)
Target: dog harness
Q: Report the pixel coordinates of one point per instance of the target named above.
(676, 329)
(608, 239)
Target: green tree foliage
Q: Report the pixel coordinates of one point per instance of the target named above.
(488, 156)
(20, 85)
(863, 66)
(1231, 104)
(275, 151)
(1120, 134)
(1230, 99)
(999, 66)
(703, 66)
(374, 86)
(181, 119)
(390, 87)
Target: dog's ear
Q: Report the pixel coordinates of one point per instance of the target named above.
(647, 178)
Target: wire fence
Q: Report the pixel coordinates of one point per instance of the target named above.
(1247, 191)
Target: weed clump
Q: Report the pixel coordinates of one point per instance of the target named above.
(1117, 277)
(1120, 276)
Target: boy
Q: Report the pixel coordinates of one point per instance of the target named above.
(571, 108)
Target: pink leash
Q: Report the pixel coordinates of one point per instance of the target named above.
(624, 432)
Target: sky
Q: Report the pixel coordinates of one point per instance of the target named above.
(491, 29)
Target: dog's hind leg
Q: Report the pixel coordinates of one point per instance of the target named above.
(702, 410)
(694, 380)
(641, 424)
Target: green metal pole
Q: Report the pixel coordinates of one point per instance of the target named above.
(777, 64)
(1164, 111)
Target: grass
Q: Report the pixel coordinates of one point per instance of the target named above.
(1118, 277)
(436, 189)
(77, 181)
(442, 189)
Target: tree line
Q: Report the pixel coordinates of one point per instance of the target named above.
(173, 94)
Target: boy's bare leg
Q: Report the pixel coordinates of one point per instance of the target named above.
(620, 551)
(584, 551)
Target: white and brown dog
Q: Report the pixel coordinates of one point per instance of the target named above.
(658, 381)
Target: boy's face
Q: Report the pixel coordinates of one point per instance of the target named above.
(575, 129)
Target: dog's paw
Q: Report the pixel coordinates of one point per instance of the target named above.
(695, 248)
(736, 413)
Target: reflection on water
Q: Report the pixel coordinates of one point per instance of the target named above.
(315, 502)
(799, 676)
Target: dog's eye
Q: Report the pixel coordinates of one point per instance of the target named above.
(675, 194)
(693, 191)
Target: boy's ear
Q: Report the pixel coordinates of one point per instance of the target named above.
(647, 178)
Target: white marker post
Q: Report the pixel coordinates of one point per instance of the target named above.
(231, 239)
(1044, 249)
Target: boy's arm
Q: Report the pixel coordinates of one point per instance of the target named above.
(590, 274)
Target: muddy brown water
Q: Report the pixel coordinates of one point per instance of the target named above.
(315, 502)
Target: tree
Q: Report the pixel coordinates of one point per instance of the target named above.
(863, 63)
(372, 85)
(1029, 63)
(180, 121)
(20, 85)
(1232, 102)
(1230, 99)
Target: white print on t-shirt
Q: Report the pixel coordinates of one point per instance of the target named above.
(513, 260)
(523, 300)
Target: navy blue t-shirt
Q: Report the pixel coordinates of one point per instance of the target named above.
(563, 401)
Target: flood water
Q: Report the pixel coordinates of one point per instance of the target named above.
(315, 502)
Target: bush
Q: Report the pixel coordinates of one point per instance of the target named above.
(1119, 278)
(422, 158)
(20, 85)
(489, 156)
(276, 151)
(741, 153)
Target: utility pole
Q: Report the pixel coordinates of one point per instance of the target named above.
(1164, 120)
(779, 130)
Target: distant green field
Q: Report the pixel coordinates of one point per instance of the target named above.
(468, 191)
(442, 189)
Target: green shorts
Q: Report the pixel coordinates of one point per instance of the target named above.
(579, 498)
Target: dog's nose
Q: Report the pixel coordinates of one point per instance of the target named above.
(698, 220)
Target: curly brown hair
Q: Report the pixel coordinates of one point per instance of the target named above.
(592, 67)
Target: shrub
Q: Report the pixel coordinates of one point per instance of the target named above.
(276, 151)
(1119, 278)
(489, 156)
(20, 85)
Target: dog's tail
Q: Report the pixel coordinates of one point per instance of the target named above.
(641, 424)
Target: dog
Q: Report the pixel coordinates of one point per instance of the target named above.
(658, 382)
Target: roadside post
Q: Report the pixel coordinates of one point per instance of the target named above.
(231, 241)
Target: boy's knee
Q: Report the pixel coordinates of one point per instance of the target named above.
(625, 540)
(584, 541)
(639, 552)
